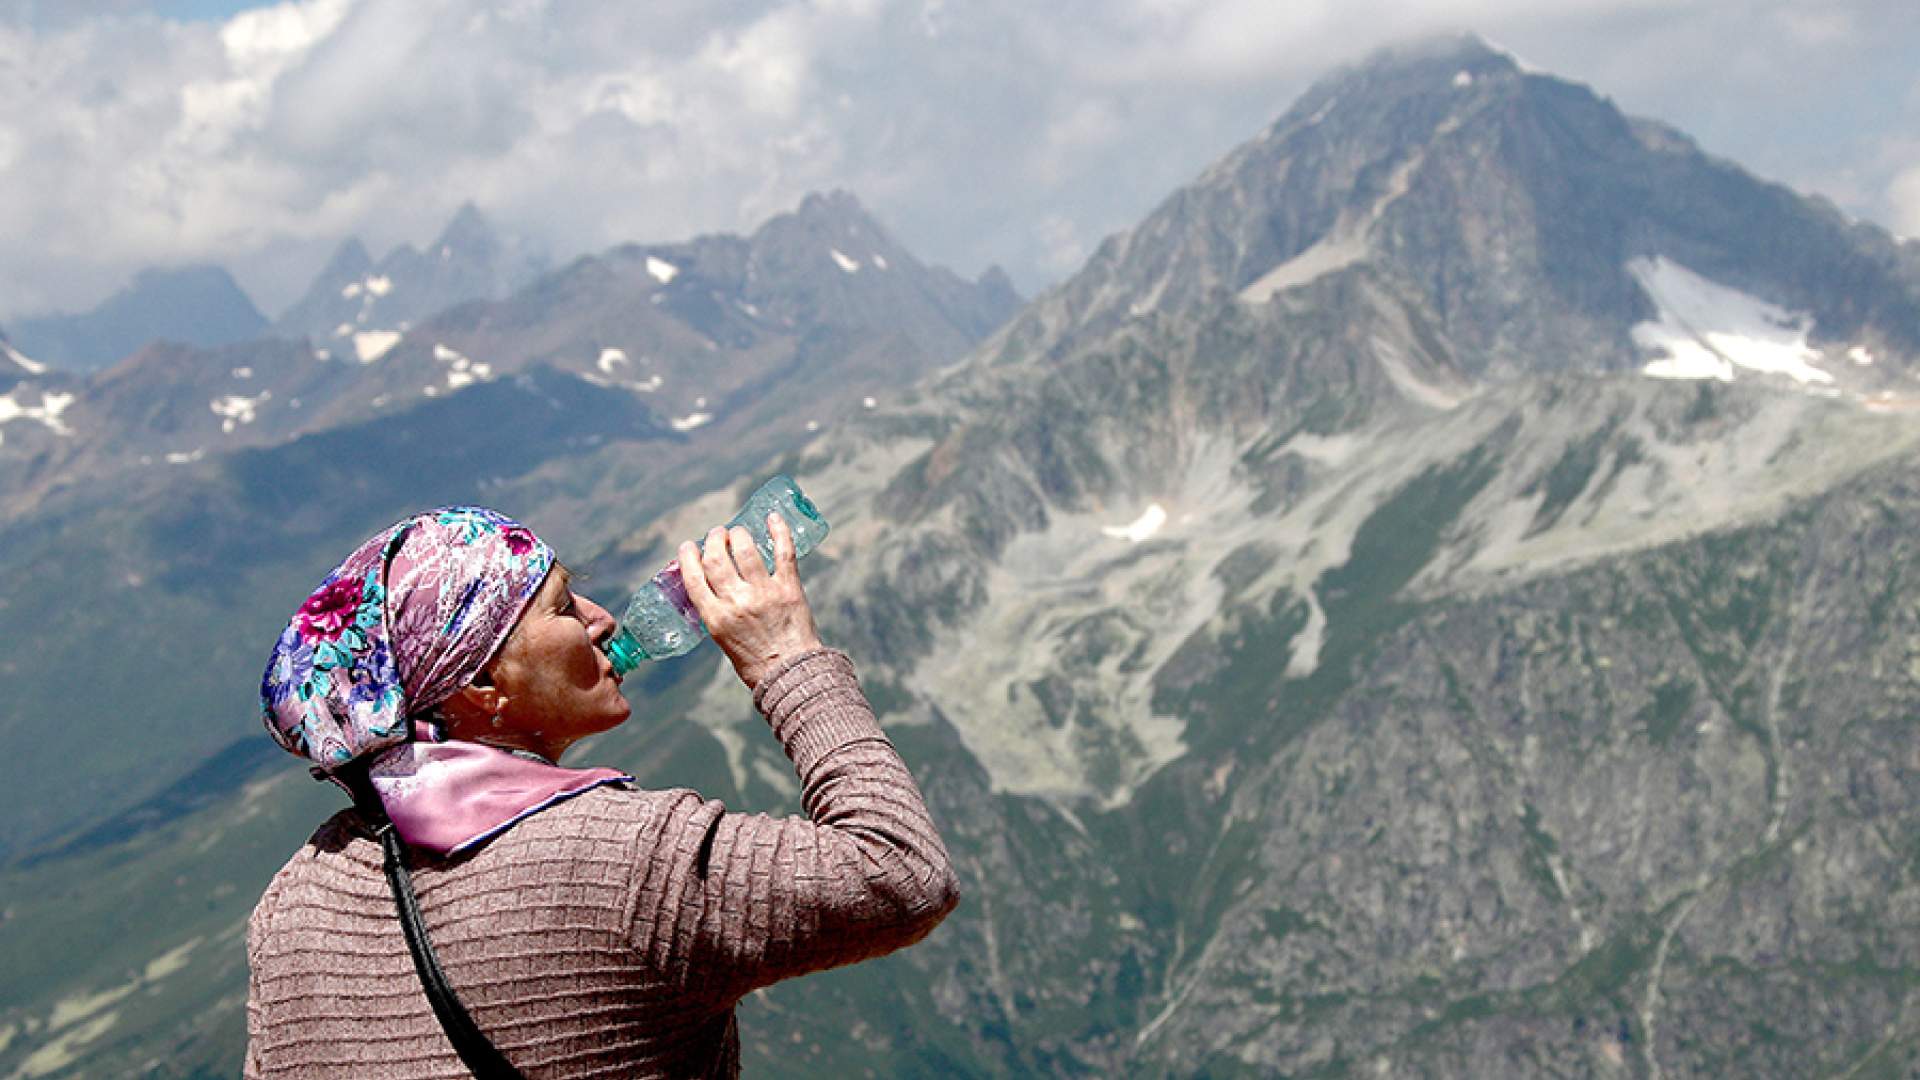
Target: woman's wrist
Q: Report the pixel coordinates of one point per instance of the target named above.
(759, 669)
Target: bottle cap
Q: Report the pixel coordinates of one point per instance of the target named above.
(624, 652)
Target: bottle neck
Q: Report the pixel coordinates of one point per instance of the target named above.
(624, 651)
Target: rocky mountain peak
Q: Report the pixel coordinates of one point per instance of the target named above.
(831, 259)
(838, 204)
(1518, 219)
(994, 282)
(468, 234)
(469, 260)
(822, 225)
(349, 262)
(1398, 73)
(200, 305)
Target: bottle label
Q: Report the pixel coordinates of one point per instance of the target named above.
(674, 588)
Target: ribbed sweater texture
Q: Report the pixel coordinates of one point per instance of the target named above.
(611, 934)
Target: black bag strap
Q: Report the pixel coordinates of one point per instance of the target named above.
(478, 1053)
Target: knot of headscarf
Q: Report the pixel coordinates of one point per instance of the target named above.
(405, 621)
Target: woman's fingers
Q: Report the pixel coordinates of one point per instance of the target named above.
(693, 575)
(786, 563)
(746, 555)
(758, 619)
(722, 574)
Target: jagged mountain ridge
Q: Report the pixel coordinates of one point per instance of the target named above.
(1454, 714)
(1509, 203)
(682, 326)
(470, 260)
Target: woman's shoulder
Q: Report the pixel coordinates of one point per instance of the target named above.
(341, 847)
(617, 808)
(338, 832)
(612, 814)
(342, 837)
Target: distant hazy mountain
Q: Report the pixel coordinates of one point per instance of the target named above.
(1432, 599)
(353, 294)
(766, 337)
(196, 305)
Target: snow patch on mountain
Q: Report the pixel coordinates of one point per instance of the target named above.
(1395, 362)
(1141, 528)
(1343, 245)
(612, 358)
(1705, 330)
(236, 410)
(20, 360)
(47, 412)
(461, 370)
(1326, 449)
(663, 271)
(851, 266)
(374, 285)
(371, 345)
(691, 421)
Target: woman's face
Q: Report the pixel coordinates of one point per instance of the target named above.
(557, 683)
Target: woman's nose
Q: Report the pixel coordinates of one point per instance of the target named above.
(600, 621)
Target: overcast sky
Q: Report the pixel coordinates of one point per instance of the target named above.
(152, 132)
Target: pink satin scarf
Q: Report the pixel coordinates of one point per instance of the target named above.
(449, 796)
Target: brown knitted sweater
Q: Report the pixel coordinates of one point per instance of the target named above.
(611, 934)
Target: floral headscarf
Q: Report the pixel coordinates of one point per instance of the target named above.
(408, 619)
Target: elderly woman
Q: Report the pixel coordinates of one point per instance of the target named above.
(575, 924)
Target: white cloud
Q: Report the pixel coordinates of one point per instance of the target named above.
(1060, 247)
(1904, 196)
(996, 130)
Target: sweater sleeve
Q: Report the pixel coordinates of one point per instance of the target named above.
(256, 1010)
(730, 902)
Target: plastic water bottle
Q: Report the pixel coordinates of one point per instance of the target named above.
(660, 621)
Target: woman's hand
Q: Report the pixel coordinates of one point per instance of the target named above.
(757, 619)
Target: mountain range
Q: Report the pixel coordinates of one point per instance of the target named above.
(1434, 598)
(152, 488)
